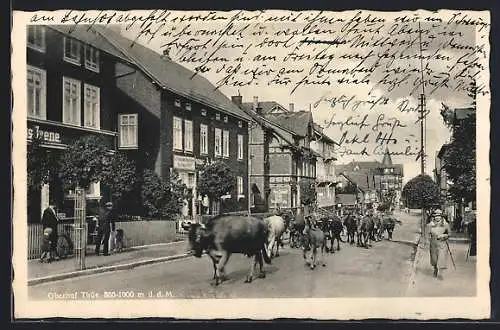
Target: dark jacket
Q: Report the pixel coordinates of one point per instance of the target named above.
(107, 219)
(49, 219)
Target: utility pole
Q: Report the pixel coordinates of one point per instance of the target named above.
(422, 130)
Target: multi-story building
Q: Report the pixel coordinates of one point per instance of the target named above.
(386, 176)
(70, 93)
(186, 123)
(325, 168)
(85, 80)
(281, 159)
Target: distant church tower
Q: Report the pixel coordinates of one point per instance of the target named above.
(387, 161)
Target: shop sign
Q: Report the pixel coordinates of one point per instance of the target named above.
(45, 135)
(184, 163)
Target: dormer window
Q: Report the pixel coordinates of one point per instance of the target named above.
(177, 103)
(188, 106)
(36, 37)
(72, 50)
(203, 112)
(217, 116)
(240, 124)
(225, 119)
(91, 58)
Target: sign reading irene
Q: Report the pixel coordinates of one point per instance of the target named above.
(46, 136)
(184, 163)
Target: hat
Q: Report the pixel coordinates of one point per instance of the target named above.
(47, 231)
(108, 204)
(437, 212)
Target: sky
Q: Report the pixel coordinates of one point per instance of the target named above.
(451, 41)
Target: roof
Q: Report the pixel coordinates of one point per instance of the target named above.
(362, 180)
(346, 199)
(267, 106)
(373, 167)
(297, 122)
(89, 36)
(387, 161)
(170, 75)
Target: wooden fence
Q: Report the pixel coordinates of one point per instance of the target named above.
(35, 233)
(136, 233)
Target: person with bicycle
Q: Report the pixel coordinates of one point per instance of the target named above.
(106, 224)
(50, 220)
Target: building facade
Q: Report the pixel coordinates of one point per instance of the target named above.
(70, 94)
(186, 124)
(325, 168)
(85, 80)
(384, 177)
(280, 156)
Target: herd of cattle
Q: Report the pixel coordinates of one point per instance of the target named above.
(224, 235)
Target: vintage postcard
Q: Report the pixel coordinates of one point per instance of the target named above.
(251, 164)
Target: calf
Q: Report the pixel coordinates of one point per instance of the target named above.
(314, 238)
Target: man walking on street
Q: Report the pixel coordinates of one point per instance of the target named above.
(106, 224)
(439, 231)
(50, 220)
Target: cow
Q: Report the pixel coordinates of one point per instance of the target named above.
(364, 230)
(224, 235)
(350, 223)
(276, 225)
(376, 234)
(314, 238)
(388, 224)
(296, 230)
(332, 228)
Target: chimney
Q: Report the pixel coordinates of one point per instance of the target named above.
(256, 106)
(291, 107)
(238, 100)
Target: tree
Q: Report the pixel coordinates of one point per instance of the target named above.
(161, 198)
(216, 180)
(41, 164)
(307, 192)
(422, 192)
(119, 176)
(460, 155)
(85, 162)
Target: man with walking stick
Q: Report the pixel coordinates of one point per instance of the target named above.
(439, 231)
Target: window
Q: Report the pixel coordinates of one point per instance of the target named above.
(94, 190)
(240, 123)
(36, 37)
(36, 93)
(71, 101)
(71, 50)
(225, 143)
(218, 142)
(217, 116)
(239, 186)
(240, 146)
(203, 112)
(128, 126)
(91, 58)
(188, 135)
(190, 181)
(177, 133)
(92, 106)
(225, 119)
(203, 139)
(188, 106)
(177, 103)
